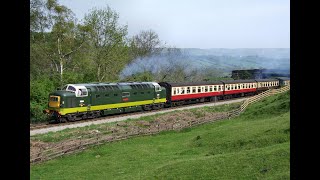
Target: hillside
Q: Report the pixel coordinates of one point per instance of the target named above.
(219, 59)
(253, 145)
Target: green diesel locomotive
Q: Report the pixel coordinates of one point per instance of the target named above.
(82, 101)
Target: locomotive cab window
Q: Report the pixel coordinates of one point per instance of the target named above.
(54, 98)
(71, 88)
(83, 92)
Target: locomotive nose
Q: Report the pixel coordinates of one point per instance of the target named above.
(54, 101)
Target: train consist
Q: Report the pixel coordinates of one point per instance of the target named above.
(82, 101)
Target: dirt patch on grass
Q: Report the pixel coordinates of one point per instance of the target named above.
(78, 139)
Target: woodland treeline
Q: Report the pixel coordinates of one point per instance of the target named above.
(64, 49)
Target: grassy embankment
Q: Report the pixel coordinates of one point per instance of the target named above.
(253, 145)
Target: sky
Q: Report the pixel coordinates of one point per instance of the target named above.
(201, 24)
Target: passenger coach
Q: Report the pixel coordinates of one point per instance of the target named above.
(181, 93)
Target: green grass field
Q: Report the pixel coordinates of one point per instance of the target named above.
(255, 145)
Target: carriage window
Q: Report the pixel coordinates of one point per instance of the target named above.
(188, 90)
(182, 90)
(215, 88)
(174, 91)
(219, 87)
(178, 90)
(115, 94)
(135, 93)
(206, 89)
(107, 95)
(199, 89)
(97, 95)
(194, 89)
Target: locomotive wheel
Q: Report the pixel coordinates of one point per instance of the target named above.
(62, 120)
(146, 107)
(71, 118)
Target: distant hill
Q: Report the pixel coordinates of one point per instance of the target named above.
(230, 59)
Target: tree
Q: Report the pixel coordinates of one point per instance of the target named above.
(109, 51)
(63, 41)
(146, 43)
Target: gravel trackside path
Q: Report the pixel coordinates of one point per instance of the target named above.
(75, 125)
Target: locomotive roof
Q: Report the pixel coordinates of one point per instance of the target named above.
(96, 84)
(239, 81)
(113, 84)
(266, 80)
(283, 78)
(173, 84)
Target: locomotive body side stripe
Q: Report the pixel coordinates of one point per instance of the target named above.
(64, 111)
(240, 91)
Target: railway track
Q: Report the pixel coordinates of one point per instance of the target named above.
(49, 125)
